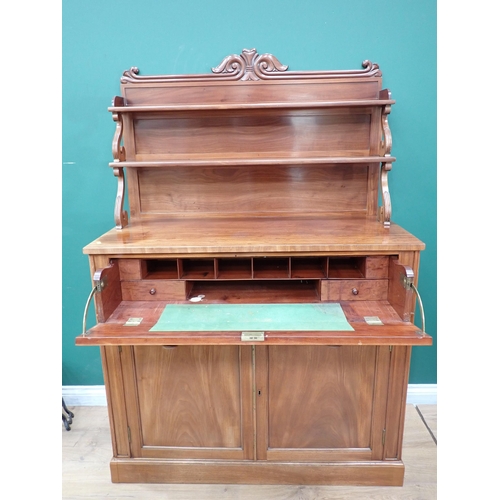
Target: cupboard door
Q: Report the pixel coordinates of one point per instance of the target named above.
(321, 403)
(190, 401)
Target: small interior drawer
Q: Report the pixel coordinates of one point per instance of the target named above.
(154, 290)
(354, 289)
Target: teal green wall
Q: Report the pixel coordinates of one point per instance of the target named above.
(101, 39)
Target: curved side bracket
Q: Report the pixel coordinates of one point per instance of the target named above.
(401, 289)
(121, 216)
(116, 146)
(386, 208)
(386, 144)
(385, 150)
(86, 310)
(421, 305)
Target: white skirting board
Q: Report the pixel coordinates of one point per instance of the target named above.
(95, 395)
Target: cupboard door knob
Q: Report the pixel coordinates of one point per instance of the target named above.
(355, 291)
(152, 291)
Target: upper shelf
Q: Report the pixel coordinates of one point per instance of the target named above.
(251, 105)
(234, 161)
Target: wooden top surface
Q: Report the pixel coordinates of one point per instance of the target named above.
(252, 236)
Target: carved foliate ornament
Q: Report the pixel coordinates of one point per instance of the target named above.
(251, 66)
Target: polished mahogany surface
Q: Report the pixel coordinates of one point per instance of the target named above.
(255, 185)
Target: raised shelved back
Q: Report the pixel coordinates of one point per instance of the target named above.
(251, 139)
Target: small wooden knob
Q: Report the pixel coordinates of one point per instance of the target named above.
(152, 291)
(355, 291)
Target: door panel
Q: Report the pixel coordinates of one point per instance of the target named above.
(193, 401)
(320, 402)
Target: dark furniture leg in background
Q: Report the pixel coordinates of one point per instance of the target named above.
(67, 416)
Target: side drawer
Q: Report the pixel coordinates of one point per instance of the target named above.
(154, 290)
(354, 289)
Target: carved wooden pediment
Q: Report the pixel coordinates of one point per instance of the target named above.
(251, 66)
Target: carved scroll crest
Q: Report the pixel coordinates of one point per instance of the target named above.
(251, 66)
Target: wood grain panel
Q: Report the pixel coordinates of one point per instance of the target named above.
(399, 294)
(190, 396)
(319, 397)
(115, 394)
(243, 190)
(397, 388)
(132, 269)
(107, 300)
(248, 473)
(332, 132)
(375, 267)
(242, 92)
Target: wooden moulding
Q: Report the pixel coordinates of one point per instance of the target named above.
(376, 473)
(363, 335)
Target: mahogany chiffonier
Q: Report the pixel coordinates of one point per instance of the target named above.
(255, 307)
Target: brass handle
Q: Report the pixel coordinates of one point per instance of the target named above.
(85, 312)
(152, 291)
(412, 285)
(355, 291)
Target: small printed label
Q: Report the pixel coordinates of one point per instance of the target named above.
(133, 322)
(373, 320)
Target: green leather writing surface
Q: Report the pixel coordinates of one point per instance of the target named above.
(231, 317)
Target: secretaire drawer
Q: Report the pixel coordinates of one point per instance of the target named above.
(154, 290)
(354, 289)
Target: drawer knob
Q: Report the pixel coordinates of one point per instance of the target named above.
(152, 291)
(355, 291)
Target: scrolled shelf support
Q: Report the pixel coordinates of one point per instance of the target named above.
(385, 150)
(385, 209)
(121, 216)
